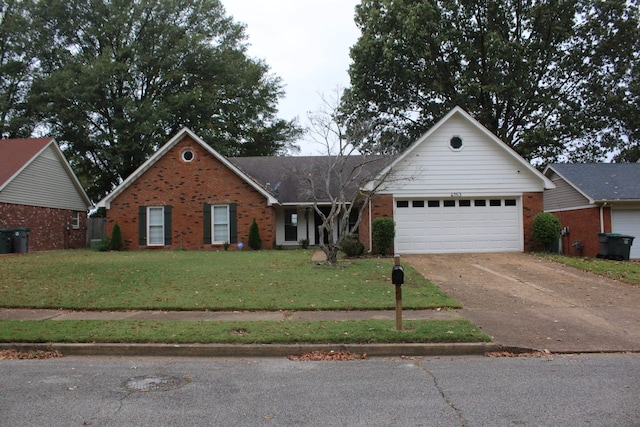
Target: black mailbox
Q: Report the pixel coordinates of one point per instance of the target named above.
(397, 275)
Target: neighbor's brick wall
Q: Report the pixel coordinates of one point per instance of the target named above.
(584, 225)
(47, 226)
(186, 187)
(532, 205)
(381, 206)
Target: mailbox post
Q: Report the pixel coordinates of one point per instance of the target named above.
(397, 278)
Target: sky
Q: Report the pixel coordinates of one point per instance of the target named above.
(304, 42)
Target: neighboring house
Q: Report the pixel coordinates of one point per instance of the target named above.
(39, 191)
(594, 198)
(456, 189)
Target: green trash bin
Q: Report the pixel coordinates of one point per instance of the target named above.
(615, 246)
(5, 241)
(20, 240)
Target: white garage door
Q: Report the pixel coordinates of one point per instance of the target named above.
(628, 222)
(456, 226)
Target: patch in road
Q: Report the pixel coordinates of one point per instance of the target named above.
(525, 301)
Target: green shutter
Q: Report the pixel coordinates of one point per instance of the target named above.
(167, 225)
(142, 225)
(233, 223)
(206, 223)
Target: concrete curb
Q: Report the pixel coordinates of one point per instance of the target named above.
(255, 350)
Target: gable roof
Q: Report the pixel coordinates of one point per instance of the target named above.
(600, 182)
(478, 126)
(286, 177)
(106, 201)
(18, 153)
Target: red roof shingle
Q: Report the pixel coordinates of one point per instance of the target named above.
(15, 153)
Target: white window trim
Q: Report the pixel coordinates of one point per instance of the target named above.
(75, 220)
(149, 225)
(213, 225)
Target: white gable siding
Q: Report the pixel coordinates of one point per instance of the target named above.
(563, 197)
(481, 167)
(44, 182)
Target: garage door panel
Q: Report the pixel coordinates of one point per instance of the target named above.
(628, 222)
(466, 227)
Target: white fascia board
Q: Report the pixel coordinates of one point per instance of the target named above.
(26, 164)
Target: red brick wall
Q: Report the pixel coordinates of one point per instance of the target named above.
(532, 205)
(47, 226)
(381, 206)
(186, 187)
(584, 226)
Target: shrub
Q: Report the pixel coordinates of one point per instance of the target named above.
(255, 242)
(383, 231)
(351, 246)
(546, 229)
(304, 243)
(116, 238)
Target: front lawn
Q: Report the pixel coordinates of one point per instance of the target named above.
(204, 280)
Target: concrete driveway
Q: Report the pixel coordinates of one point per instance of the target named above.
(524, 301)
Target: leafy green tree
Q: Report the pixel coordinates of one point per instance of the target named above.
(254, 241)
(17, 67)
(122, 76)
(551, 78)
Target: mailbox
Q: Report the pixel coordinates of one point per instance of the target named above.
(397, 275)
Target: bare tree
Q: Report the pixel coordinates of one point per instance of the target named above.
(337, 182)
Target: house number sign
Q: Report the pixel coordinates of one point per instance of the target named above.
(456, 194)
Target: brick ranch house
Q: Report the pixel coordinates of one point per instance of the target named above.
(39, 191)
(458, 188)
(592, 198)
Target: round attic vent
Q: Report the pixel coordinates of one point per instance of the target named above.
(187, 155)
(456, 143)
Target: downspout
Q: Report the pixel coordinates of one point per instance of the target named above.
(602, 217)
(370, 232)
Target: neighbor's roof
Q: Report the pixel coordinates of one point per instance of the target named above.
(601, 181)
(16, 154)
(287, 178)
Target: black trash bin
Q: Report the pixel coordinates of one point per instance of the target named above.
(5, 241)
(20, 240)
(615, 246)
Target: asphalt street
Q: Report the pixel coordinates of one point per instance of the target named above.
(562, 390)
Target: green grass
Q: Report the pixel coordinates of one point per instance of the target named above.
(265, 332)
(624, 271)
(204, 280)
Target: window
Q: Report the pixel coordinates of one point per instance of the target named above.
(418, 203)
(449, 203)
(495, 202)
(220, 223)
(510, 202)
(155, 226)
(402, 204)
(75, 220)
(433, 203)
(291, 226)
(464, 203)
(480, 203)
